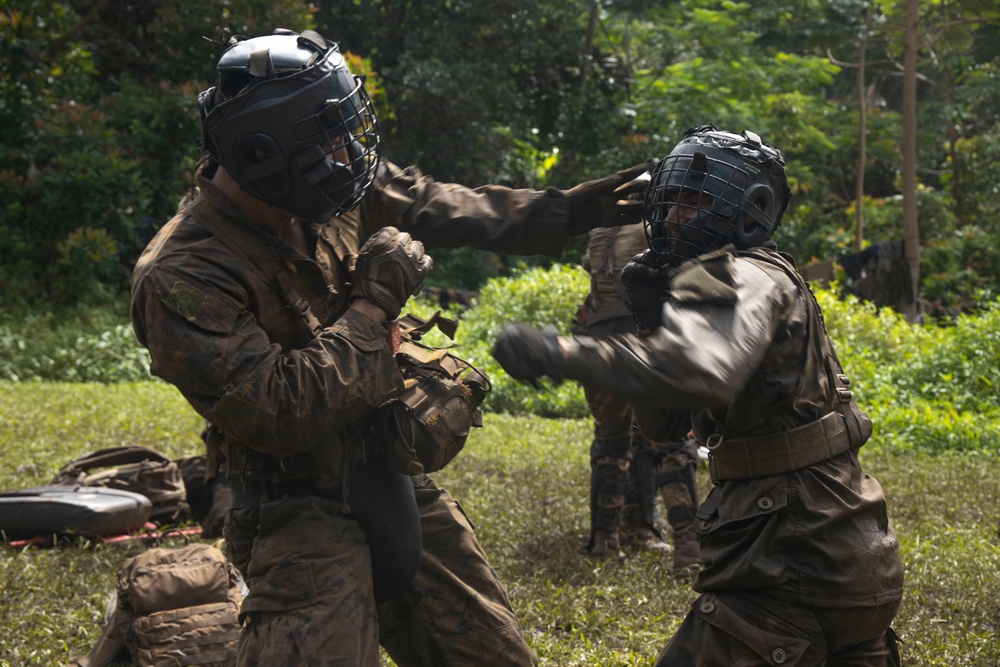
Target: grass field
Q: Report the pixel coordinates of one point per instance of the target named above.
(523, 482)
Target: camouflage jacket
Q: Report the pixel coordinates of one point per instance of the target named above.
(289, 404)
(734, 356)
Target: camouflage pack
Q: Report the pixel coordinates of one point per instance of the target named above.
(428, 423)
(172, 606)
(132, 468)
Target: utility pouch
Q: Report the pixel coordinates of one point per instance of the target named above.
(427, 424)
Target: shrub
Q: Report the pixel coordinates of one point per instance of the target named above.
(932, 387)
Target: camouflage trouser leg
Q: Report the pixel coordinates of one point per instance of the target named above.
(309, 571)
(641, 496)
(675, 478)
(755, 630)
(456, 612)
(609, 461)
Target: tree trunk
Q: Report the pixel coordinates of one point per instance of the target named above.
(859, 188)
(911, 232)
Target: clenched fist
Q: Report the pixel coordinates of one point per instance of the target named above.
(527, 354)
(611, 201)
(646, 288)
(390, 267)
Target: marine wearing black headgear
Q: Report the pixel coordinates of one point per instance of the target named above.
(735, 186)
(291, 123)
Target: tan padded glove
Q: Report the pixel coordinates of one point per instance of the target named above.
(390, 268)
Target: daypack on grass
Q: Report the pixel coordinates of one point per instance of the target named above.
(172, 606)
(132, 468)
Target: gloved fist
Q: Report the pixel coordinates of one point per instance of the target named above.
(611, 201)
(390, 267)
(527, 353)
(646, 288)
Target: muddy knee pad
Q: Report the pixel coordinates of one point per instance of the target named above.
(675, 480)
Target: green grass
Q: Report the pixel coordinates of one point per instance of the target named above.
(523, 482)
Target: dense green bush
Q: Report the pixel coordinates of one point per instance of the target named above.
(933, 387)
(930, 387)
(89, 345)
(534, 296)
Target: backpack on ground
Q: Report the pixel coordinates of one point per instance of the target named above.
(172, 606)
(133, 468)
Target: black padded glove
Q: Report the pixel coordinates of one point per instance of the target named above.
(611, 201)
(390, 267)
(527, 353)
(646, 287)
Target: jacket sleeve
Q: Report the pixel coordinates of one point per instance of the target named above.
(710, 344)
(207, 343)
(448, 215)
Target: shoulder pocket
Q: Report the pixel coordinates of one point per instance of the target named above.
(203, 307)
(708, 279)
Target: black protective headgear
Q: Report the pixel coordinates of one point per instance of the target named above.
(734, 184)
(282, 109)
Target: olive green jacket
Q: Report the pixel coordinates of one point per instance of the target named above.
(735, 354)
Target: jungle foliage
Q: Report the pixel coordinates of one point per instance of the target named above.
(928, 388)
(99, 122)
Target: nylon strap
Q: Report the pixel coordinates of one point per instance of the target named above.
(783, 452)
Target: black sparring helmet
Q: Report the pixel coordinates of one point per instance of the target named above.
(733, 187)
(291, 123)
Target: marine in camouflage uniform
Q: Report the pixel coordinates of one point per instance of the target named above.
(263, 303)
(627, 469)
(801, 564)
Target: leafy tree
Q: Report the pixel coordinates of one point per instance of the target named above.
(99, 132)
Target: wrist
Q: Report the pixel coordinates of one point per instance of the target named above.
(369, 309)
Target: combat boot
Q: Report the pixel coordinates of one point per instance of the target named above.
(636, 533)
(647, 539)
(687, 552)
(605, 544)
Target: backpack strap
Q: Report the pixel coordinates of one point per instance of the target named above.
(110, 458)
(110, 646)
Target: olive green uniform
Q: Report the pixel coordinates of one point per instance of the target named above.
(288, 403)
(801, 564)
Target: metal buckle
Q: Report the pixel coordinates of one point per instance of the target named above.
(715, 440)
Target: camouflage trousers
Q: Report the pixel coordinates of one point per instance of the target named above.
(628, 469)
(756, 630)
(311, 600)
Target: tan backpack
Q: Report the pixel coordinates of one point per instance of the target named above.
(173, 606)
(132, 468)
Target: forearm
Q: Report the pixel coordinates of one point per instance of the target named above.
(448, 215)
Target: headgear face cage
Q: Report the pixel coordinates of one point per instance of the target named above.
(714, 188)
(291, 123)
